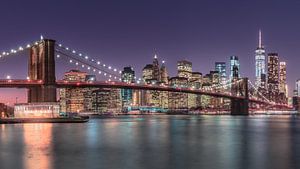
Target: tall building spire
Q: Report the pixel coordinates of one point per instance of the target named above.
(259, 40)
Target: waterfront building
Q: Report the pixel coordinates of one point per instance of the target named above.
(147, 73)
(156, 70)
(273, 76)
(214, 77)
(72, 99)
(260, 63)
(283, 93)
(107, 101)
(234, 67)
(3, 110)
(184, 69)
(297, 88)
(87, 93)
(221, 68)
(194, 101)
(164, 101)
(100, 100)
(37, 110)
(152, 75)
(127, 76)
(163, 73)
(178, 100)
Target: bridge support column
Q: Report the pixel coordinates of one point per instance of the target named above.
(240, 106)
(42, 67)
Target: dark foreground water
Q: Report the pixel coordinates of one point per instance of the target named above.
(154, 142)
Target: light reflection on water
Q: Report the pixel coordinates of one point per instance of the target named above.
(154, 142)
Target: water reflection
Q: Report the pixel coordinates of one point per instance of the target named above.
(37, 150)
(155, 142)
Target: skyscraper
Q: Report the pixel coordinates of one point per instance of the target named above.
(156, 70)
(178, 100)
(184, 69)
(273, 76)
(221, 68)
(297, 88)
(127, 77)
(163, 73)
(72, 99)
(234, 67)
(282, 77)
(164, 80)
(260, 62)
(283, 93)
(151, 75)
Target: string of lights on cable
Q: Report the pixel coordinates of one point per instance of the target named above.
(17, 49)
(90, 59)
(88, 67)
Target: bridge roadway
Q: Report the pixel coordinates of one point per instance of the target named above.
(17, 83)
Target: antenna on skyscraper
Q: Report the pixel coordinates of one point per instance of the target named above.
(259, 39)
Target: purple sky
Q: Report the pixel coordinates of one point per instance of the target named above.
(123, 33)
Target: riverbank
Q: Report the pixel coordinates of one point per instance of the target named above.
(42, 120)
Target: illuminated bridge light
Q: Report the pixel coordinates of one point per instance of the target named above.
(60, 45)
(99, 72)
(98, 63)
(73, 51)
(80, 54)
(77, 63)
(109, 67)
(82, 65)
(67, 48)
(86, 57)
(57, 56)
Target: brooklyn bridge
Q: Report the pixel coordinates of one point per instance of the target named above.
(42, 83)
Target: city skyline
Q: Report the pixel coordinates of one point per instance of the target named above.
(171, 40)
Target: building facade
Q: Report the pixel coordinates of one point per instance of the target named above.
(73, 99)
(128, 76)
(260, 63)
(273, 76)
(178, 100)
(234, 67)
(184, 69)
(221, 68)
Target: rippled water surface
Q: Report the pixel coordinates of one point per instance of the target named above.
(154, 142)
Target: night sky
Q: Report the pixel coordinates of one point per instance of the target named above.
(129, 32)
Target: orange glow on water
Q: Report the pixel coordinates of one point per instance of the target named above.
(37, 138)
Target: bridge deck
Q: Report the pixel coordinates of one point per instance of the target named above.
(15, 83)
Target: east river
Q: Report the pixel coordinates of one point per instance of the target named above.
(155, 142)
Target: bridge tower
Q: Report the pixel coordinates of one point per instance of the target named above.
(42, 67)
(240, 106)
